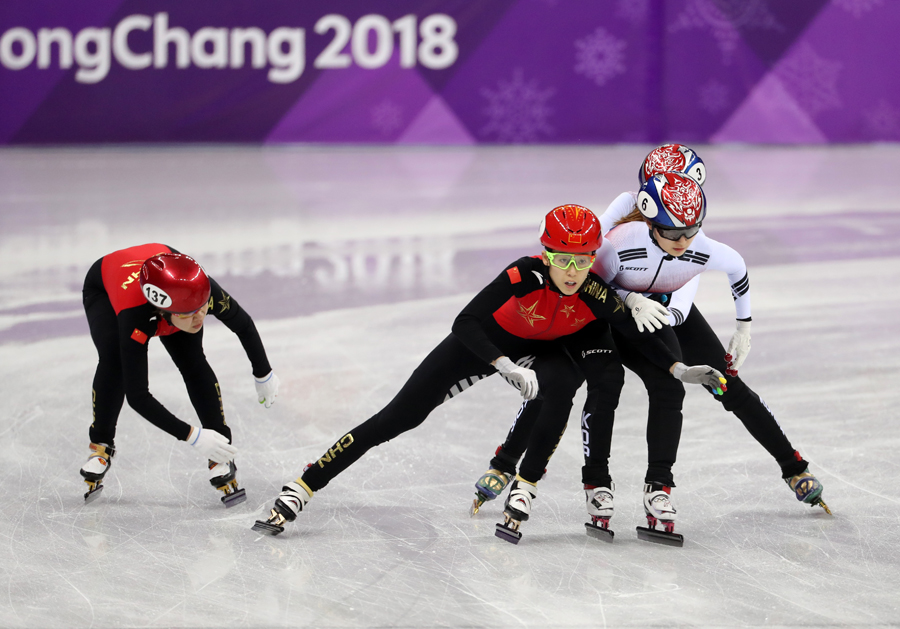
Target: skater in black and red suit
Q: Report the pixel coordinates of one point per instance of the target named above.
(512, 326)
(150, 290)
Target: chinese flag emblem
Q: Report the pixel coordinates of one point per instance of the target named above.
(139, 336)
(514, 276)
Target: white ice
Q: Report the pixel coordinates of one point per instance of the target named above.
(354, 263)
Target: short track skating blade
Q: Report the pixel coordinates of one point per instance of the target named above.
(475, 506)
(660, 537)
(506, 534)
(262, 526)
(599, 533)
(234, 498)
(92, 495)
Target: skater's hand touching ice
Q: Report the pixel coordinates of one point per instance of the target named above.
(522, 378)
(211, 444)
(267, 388)
(738, 348)
(647, 313)
(700, 374)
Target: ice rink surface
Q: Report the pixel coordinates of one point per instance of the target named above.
(353, 263)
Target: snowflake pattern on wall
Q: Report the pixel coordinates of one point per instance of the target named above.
(713, 97)
(600, 56)
(387, 117)
(634, 11)
(517, 110)
(726, 18)
(858, 8)
(811, 79)
(882, 121)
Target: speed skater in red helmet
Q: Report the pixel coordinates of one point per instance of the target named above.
(516, 325)
(152, 290)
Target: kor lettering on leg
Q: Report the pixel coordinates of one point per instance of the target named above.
(342, 443)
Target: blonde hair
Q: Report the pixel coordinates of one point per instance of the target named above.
(633, 216)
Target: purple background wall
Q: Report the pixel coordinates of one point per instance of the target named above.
(558, 71)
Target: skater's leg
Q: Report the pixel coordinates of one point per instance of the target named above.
(601, 364)
(701, 346)
(186, 351)
(559, 379)
(507, 456)
(108, 394)
(437, 379)
(664, 418)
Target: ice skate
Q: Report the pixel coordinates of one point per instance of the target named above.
(95, 469)
(222, 477)
(488, 487)
(600, 508)
(808, 489)
(517, 510)
(660, 510)
(290, 502)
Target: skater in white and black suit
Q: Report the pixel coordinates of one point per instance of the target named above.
(133, 295)
(514, 326)
(660, 253)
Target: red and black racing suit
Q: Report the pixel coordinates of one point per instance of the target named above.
(122, 322)
(520, 315)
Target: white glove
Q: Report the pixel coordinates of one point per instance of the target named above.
(701, 374)
(267, 388)
(647, 312)
(738, 348)
(211, 444)
(522, 378)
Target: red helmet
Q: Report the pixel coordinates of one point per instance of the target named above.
(175, 283)
(571, 229)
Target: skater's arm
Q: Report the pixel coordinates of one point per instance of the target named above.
(227, 310)
(518, 279)
(135, 331)
(724, 258)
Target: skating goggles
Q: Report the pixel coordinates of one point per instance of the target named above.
(675, 233)
(563, 261)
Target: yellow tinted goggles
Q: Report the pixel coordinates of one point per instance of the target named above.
(565, 260)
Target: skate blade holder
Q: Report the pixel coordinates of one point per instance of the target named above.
(660, 537)
(268, 528)
(507, 534)
(599, 532)
(94, 490)
(234, 498)
(479, 500)
(273, 526)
